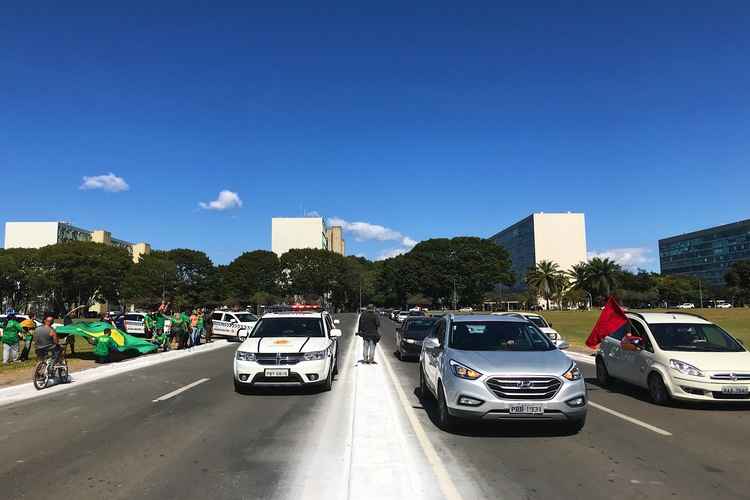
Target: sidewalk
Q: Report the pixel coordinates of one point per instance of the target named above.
(27, 390)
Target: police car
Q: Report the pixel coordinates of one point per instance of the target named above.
(233, 325)
(134, 323)
(289, 349)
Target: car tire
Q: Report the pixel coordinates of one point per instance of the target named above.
(658, 390)
(446, 421)
(240, 388)
(328, 384)
(241, 338)
(424, 391)
(602, 374)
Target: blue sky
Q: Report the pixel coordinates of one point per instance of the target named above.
(430, 121)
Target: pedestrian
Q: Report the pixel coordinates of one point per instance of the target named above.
(179, 326)
(12, 332)
(194, 333)
(28, 326)
(368, 329)
(199, 327)
(208, 325)
(103, 345)
(149, 326)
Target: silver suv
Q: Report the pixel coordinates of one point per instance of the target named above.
(499, 368)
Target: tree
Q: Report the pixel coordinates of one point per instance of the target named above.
(544, 277)
(252, 273)
(154, 278)
(308, 271)
(738, 279)
(603, 277)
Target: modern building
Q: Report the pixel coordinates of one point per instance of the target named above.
(556, 237)
(335, 237)
(40, 234)
(706, 254)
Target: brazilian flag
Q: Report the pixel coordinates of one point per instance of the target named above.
(123, 341)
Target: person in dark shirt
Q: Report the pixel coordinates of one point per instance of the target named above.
(368, 329)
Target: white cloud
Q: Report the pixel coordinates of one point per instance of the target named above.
(627, 257)
(392, 252)
(225, 201)
(364, 231)
(312, 213)
(109, 182)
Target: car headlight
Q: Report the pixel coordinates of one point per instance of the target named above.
(573, 373)
(316, 355)
(685, 368)
(245, 356)
(462, 371)
(553, 336)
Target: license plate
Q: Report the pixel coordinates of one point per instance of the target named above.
(278, 372)
(527, 409)
(735, 389)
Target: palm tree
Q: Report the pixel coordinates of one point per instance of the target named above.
(562, 285)
(603, 276)
(580, 278)
(543, 277)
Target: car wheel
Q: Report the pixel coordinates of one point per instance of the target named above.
(657, 390)
(240, 388)
(446, 421)
(602, 375)
(241, 336)
(424, 391)
(328, 384)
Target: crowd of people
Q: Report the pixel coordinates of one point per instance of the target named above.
(162, 326)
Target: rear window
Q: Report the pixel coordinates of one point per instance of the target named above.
(419, 328)
(289, 327)
(246, 317)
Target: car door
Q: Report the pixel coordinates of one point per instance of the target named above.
(219, 326)
(635, 364)
(433, 351)
(611, 349)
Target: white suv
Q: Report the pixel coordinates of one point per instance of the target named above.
(233, 325)
(542, 324)
(676, 355)
(289, 349)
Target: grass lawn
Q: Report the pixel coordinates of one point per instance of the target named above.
(576, 326)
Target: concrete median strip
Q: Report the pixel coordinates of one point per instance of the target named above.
(23, 392)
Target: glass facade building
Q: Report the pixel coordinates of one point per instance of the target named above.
(518, 241)
(706, 254)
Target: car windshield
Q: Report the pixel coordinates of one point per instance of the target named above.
(289, 327)
(416, 313)
(246, 317)
(498, 336)
(419, 328)
(538, 321)
(693, 338)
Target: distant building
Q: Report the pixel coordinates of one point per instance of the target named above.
(40, 234)
(706, 254)
(557, 237)
(335, 238)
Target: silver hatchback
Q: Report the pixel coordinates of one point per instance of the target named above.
(499, 368)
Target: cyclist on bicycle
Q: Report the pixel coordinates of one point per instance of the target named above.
(46, 339)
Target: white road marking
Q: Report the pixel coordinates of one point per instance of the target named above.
(449, 490)
(632, 420)
(583, 358)
(180, 390)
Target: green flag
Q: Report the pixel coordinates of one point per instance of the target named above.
(122, 341)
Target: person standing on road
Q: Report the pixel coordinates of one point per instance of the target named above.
(368, 329)
(11, 336)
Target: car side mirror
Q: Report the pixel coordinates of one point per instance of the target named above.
(563, 345)
(431, 343)
(336, 321)
(335, 333)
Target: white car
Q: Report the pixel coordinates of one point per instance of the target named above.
(233, 325)
(134, 323)
(720, 304)
(542, 324)
(676, 355)
(686, 305)
(289, 349)
(401, 316)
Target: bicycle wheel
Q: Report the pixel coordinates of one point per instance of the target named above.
(62, 372)
(41, 375)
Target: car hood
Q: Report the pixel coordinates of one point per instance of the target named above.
(548, 330)
(248, 325)
(714, 361)
(552, 362)
(284, 344)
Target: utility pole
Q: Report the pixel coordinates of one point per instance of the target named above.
(455, 295)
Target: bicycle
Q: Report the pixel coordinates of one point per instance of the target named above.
(51, 365)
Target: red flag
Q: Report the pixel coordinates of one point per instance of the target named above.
(612, 319)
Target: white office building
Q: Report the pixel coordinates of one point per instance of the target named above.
(289, 233)
(556, 237)
(40, 234)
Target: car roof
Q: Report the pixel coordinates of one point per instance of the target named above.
(295, 314)
(237, 312)
(669, 317)
(460, 318)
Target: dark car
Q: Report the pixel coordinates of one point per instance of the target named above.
(411, 333)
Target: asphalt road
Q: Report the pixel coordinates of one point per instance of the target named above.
(368, 438)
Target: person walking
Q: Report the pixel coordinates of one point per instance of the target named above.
(12, 332)
(368, 329)
(28, 326)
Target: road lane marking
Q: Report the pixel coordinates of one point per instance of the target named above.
(632, 420)
(449, 490)
(180, 390)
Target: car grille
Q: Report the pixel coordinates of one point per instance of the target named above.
(720, 395)
(293, 378)
(279, 359)
(730, 376)
(528, 388)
